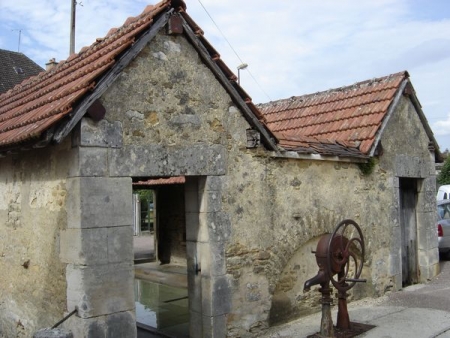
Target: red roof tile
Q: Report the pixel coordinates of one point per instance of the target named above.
(349, 116)
(340, 122)
(161, 181)
(33, 106)
(36, 105)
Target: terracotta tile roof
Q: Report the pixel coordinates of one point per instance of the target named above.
(37, 103)
(312, 145)
(160, 181)
(343, 118)
(14, 68)
(45, 108)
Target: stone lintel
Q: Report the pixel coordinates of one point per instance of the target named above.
(158, 160)
(411, 166)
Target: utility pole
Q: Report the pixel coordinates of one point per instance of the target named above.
(72, 27)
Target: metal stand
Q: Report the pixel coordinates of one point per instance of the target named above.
(335, 254)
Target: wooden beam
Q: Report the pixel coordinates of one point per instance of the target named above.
(111, 76)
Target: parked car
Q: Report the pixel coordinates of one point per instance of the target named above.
(443, 192)
(443, 227)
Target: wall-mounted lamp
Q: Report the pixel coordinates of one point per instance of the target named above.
(241, 66)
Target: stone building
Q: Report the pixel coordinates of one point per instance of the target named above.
(154, 100)
(14, 68)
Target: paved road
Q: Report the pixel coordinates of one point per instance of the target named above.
(433, 295)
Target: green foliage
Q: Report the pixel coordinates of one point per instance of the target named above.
(445, 153)
(367, 167)
(444, 175)
(145, 195)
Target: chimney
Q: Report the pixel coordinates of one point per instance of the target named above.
(51, 64)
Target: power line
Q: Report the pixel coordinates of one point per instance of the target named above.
(229, 44)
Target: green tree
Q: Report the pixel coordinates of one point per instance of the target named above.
(145, 195)
(444, 175)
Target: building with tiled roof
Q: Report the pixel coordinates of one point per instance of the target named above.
(242, 192)
(15, 67)
(352, 116)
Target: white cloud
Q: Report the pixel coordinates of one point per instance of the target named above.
(442, 127)
(293, 47)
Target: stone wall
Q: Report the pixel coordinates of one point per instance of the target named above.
(251, 218)
(174, 118)
(33, 196)
(177, 120)
(279, 207)
(407, 155)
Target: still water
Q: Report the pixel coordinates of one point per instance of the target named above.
(162, 307)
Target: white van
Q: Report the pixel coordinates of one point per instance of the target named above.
(443, 192)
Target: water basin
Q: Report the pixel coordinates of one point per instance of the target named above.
(162, 307)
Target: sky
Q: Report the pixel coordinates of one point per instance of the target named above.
(292, 47)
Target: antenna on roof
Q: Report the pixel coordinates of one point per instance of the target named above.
(20, 34)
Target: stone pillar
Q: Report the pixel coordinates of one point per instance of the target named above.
(208, 229)
(98, 247)
(428, 253)
(98, 242)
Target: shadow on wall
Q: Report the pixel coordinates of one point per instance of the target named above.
(289, 301)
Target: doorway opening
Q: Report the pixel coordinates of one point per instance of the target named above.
(408, 225)
(161, 287)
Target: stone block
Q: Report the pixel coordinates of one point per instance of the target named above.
(181, 120)
(100, 290)
(215, 326)
(89, 162)
(157, 160)
(191, 201)
(53, 333)
(86, 327)
(426, 201)
(427, 234)
(212, 258)
(84, 246)
(194, 281)
(211, 201)
(120, 244)
(210, 183)
(94, 202)
(216, 295)
(428, 272)
(195, 324)
(394, 263)
(429, 257)
(99, 134)
(193, 228)
(411, 166)
(122, 324)
(428, 184)
(201, 160)
(218, 225)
